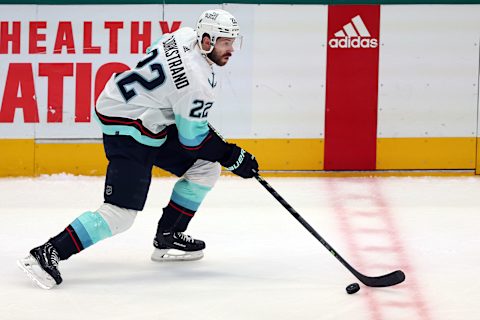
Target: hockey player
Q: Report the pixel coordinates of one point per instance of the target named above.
(156, 115)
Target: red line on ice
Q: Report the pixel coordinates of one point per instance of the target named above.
(345, 214)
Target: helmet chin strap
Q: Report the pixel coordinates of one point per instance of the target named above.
(203, 51)
(210, 61)
(209, 58)
(206, 53)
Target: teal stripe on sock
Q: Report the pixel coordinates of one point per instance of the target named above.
(95, 227)
(82, 233)
(192, 205)
(189, 194)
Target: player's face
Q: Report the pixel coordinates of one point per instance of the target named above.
(222, 51)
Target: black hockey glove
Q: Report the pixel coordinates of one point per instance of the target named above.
(240, 162)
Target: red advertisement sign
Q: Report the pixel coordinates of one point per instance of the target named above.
(352, 87)
(22, 40)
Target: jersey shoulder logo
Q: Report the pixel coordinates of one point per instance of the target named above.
(353, 35)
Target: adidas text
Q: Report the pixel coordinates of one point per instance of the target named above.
(353, 42)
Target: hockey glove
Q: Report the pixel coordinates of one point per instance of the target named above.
(240, 162)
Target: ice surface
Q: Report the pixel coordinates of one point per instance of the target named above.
(260, 263)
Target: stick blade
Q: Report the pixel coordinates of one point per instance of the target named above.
(386, 280)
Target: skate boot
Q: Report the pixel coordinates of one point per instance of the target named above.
(177, 246)
(41, 266)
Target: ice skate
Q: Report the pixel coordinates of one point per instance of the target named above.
(177, 246)
(41, 266)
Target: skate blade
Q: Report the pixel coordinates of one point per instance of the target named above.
(42, 280)
(165, 255)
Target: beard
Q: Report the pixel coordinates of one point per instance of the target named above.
(217, 58)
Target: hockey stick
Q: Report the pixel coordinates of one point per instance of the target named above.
(386, 280)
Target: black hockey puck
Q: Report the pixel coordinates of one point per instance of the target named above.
(352, 288)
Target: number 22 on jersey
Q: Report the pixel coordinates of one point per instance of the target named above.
(134, 77)
(200, 109)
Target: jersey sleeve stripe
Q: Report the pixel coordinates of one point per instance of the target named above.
(196, 147)
(191, 143)
(191, 133)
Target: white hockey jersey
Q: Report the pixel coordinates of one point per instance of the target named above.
(173, 84)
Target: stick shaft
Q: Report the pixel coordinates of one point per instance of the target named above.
(382, 281)
(302, 221)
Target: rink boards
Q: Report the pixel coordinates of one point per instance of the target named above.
(315, 87)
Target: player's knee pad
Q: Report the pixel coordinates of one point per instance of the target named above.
(204, 173)
(118, 219)
(127, 183)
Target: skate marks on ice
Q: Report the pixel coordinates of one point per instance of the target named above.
(259, 262)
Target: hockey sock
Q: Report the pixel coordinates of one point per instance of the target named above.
(175, 218)
(184, 202)
(87, 229)
(67, 243)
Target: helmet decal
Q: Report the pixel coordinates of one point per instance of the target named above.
(216, 23)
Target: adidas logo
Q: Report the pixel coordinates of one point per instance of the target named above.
(353, 35)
